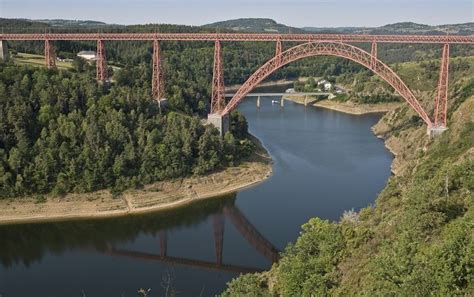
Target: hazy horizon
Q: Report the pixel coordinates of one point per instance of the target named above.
(298, 13)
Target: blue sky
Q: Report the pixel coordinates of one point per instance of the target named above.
(297, 13)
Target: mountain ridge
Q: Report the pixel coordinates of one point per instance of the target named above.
(252, 25)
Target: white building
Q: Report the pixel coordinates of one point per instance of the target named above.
(88, 55)
(326, 85)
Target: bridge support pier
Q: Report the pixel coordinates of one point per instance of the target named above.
(157, 82)
(217, 99)
(49, 54)
(3, 51)
(434, 132)
(282, 102)
(221, 122)
(101, 63)
(258, 102)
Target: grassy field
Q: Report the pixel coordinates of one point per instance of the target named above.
(37, 60)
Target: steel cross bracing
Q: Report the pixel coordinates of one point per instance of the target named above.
(333, 49)
(347, 38)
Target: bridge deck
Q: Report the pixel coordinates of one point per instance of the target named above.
(348, 38)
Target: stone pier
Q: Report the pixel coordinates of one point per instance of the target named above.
(221, 122)
(435, 131)
(3, 51)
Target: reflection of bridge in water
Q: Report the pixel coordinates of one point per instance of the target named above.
(241, 223)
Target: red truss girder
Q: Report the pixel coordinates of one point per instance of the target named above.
(49, 54)
(217, 99)
(348, 38)
(441, 104)
(157, 84)
(338, 49)
(101, 61)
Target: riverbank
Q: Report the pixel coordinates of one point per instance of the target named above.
(346, 107)
(153, 197)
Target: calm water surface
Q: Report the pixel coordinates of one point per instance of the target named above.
(325, 162)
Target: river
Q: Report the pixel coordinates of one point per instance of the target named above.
(325, 162)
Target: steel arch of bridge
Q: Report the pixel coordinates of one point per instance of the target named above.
(330, 48)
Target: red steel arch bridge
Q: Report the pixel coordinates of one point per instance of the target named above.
(340, 45)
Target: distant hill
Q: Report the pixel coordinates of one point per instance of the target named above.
(254, 25)
(402, 28)
(257, 25)
(15, 25)
(73, 23)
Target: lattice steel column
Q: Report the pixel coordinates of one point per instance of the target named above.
(278, 51)
(101, 61)
(218, 222)
(441, 105)
(157, 85)
(217, 100)
(373, 55)
(49, 54)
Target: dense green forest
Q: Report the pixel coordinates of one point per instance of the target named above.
(62, 132)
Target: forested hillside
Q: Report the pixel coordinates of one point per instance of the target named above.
(61, 132)
(416, 240)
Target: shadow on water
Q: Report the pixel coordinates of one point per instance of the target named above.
(26, 244)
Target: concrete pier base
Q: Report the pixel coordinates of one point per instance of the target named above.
(3, 51)
(435, 131)
(258, 102)
(162, 103)
(282, 102)
(221, 122)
